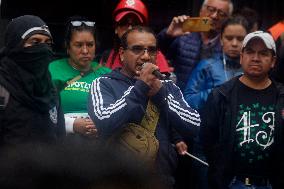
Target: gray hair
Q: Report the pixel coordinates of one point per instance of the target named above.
(231, 6)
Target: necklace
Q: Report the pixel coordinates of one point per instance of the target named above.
(77, 69)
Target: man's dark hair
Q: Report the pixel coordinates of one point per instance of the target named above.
(141, 29)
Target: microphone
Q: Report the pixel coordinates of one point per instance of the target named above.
(159, 75)
(156, 72)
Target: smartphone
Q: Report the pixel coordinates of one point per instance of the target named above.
(197, 24)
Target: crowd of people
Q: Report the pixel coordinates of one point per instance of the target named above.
(124, 122)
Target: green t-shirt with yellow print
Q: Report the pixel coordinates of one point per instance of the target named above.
(75, 95)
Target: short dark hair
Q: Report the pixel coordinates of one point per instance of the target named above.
(70, 29)
(141, 29)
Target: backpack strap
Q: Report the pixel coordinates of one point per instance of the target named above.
(4, 97)
(151, 117)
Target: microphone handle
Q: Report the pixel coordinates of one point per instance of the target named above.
(159, 75)
(156, 73)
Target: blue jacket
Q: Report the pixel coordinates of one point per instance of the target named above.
(184, 53)
(208, 74)
(116, 99)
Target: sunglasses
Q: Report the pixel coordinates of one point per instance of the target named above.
(79, 23)
(139, 50)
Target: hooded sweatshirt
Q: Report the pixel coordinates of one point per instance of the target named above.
(116, 100)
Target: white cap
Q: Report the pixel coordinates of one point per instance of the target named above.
(266, 38)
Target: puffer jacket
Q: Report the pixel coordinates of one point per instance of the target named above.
(208, 74)
(184, 53)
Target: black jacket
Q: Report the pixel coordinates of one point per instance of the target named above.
(217, 135)
(20, 123)
(33, 113)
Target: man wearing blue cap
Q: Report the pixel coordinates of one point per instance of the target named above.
(242, 128)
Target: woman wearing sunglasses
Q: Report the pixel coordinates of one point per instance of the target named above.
(126, 15)
(74, 74)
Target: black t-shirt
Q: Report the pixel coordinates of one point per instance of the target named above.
(254, 133)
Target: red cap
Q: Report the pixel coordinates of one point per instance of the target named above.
(136, 7)
(120, 15)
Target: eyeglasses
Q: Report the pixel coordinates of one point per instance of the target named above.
(213, 10)
(138, 50)
(79, 23)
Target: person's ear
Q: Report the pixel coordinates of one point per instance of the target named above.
(273, 61)
(121, 54)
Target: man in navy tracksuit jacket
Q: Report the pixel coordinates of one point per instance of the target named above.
(121, 97)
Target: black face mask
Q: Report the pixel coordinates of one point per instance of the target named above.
(26, 75)
(34, 59)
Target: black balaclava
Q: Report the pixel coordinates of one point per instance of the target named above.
(24, 71)
(22, 28)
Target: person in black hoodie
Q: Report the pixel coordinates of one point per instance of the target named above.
(29, 110)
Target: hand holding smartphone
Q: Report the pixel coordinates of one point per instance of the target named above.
(197, 24)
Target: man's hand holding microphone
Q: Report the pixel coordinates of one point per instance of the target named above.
(151, 75)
